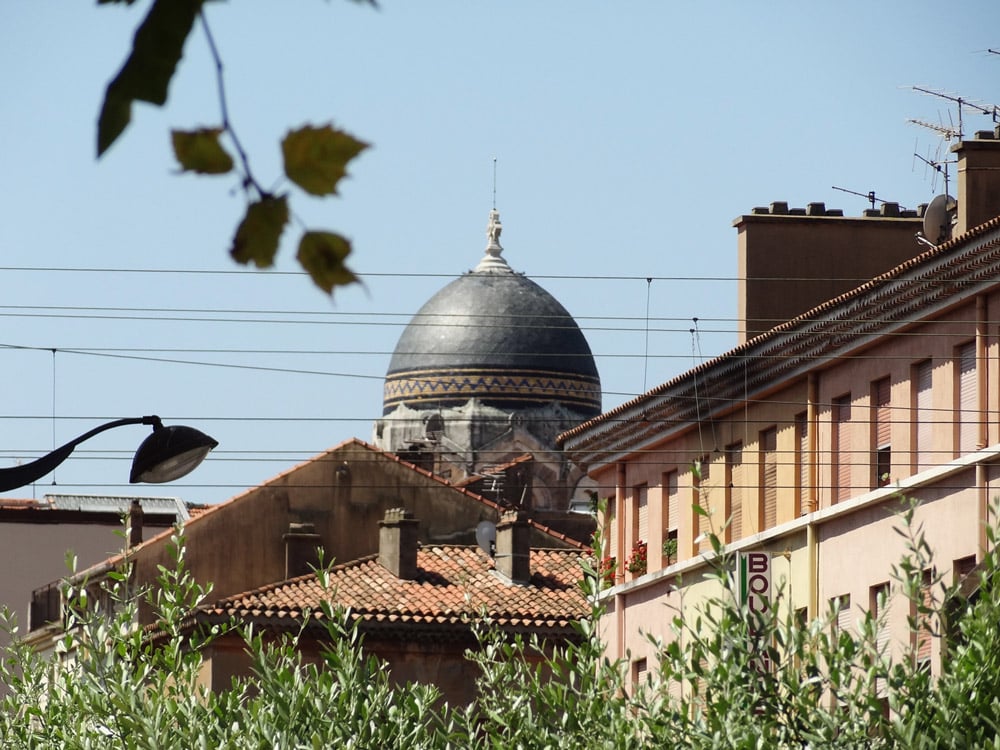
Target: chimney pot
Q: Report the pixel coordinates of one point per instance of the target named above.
(816, 209)
(513, 547)
(889, 209)
(397, 543)
(779, 207)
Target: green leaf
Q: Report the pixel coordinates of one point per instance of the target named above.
(145, 76)
(322, 254)
(259, 233)
(200, 151)
(316, 158)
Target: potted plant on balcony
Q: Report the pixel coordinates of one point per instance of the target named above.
(638, 564)
(608, 569)
(669, 550)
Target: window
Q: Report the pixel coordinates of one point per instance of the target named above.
(769, 476)
(610, 528)
(966, 417)
(734, 491)
(962, 567)
(842, 448)
(881, 433)
(841, 606)
(640, 516)
(670, 518)
(923, 636)
(640, 672)
(702, 475)
(923, 457)
(802, 462)
(878, 603)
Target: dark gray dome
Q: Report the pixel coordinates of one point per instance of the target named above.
(496, 336)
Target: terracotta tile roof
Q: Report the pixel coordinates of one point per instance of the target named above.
(454, 585)
(909, 289)
(498, 469)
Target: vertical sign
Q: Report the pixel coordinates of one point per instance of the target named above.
(755, 592)
(755, 581)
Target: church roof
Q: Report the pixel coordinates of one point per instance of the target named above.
(495, 335)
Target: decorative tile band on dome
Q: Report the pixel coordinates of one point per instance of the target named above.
(420, 387)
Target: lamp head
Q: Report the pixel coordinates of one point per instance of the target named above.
(170, 453)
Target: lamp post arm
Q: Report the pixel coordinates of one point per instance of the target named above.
(18, 476)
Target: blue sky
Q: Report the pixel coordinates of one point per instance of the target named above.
(628, 137)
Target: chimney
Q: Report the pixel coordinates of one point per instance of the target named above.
(513, 547)
(978, 180)
(302, 546)
(397, 543)
(135, 518)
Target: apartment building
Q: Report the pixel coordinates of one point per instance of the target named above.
(867, 370)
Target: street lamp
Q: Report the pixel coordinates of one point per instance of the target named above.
(168, 454)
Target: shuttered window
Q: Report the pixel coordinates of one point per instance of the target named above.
(612, 528)
(923, 621)
(670, 518)
(923, 416)
(882, 429)
(734, 490)
(703, 499)
(842, 606)
(769, 476)
(880, 605)
(641, 498)
(967, 417)
(842, 448)
(802, 461)
(640, 672)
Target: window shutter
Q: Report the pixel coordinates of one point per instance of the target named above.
(883, 414)
(803, 458)
(769, 472)
(672, 511)
(734, 468)
(923, 650)
(612, 527)
(843, 612)
(925, 457)
(881, 607)
(968, 419)
(642, 512)
(842, 448)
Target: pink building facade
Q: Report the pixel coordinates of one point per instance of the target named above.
(801, 441)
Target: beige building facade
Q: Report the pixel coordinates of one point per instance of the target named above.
(801, 441)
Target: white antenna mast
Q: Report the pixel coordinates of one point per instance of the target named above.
(494, 183)
(983, 109)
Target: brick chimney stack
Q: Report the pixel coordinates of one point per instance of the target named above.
(302, 546)
(978, 180)
(513, 546)
(397, 543)
(135, 520)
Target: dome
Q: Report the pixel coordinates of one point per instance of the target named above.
(496, 336)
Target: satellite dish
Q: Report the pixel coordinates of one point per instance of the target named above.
(937, 219)
(486, 537)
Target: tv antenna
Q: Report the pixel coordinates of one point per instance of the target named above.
(940, 166)
(870, 196)
(963, 103)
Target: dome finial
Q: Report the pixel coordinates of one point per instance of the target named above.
(492, 260)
